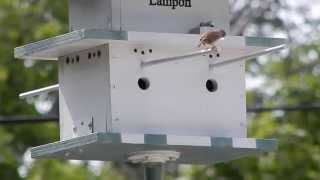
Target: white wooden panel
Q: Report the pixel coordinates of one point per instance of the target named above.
(67, 123)
(138, 15)
(90, 14)
(116, 15)
(177, 101)
(84, 96)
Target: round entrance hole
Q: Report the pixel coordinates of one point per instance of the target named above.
(212, 85)
(144, 83)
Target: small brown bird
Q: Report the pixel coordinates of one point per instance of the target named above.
(210, 38)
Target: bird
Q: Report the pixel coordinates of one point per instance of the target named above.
(209, 38)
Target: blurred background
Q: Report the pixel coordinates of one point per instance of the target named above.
(283, 96)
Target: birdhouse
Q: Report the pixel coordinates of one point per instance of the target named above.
(133, 79)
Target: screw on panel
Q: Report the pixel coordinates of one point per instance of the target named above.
(99, 53)
(75, 129)
(142, 52)
(67, 60)
(72, 60)
(80, 151)
(91, 125)
(77, 58)
(135, 50)
(150, 50)
(89, 55)
(67, 154)
(94, 55)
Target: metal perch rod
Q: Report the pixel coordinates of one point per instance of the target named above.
(248, 57)
(38, 91)
(176, 58)
(208, 51)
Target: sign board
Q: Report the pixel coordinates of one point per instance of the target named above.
(170, 16)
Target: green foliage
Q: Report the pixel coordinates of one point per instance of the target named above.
(21, 22)
(54, 169)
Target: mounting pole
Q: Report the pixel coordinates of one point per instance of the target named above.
(154, 172)
(153, 162)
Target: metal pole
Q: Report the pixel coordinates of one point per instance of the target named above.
(208, 51)
(249, 56)
(27, 119)
(177, 58)
(153, 172)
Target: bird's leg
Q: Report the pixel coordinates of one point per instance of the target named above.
(215, 50)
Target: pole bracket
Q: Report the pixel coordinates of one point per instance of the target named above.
(153, 157)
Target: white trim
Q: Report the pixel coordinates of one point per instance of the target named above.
(244, 143)
(132, 138)
(188, 140)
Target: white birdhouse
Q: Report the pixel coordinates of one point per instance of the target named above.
(132, 79)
